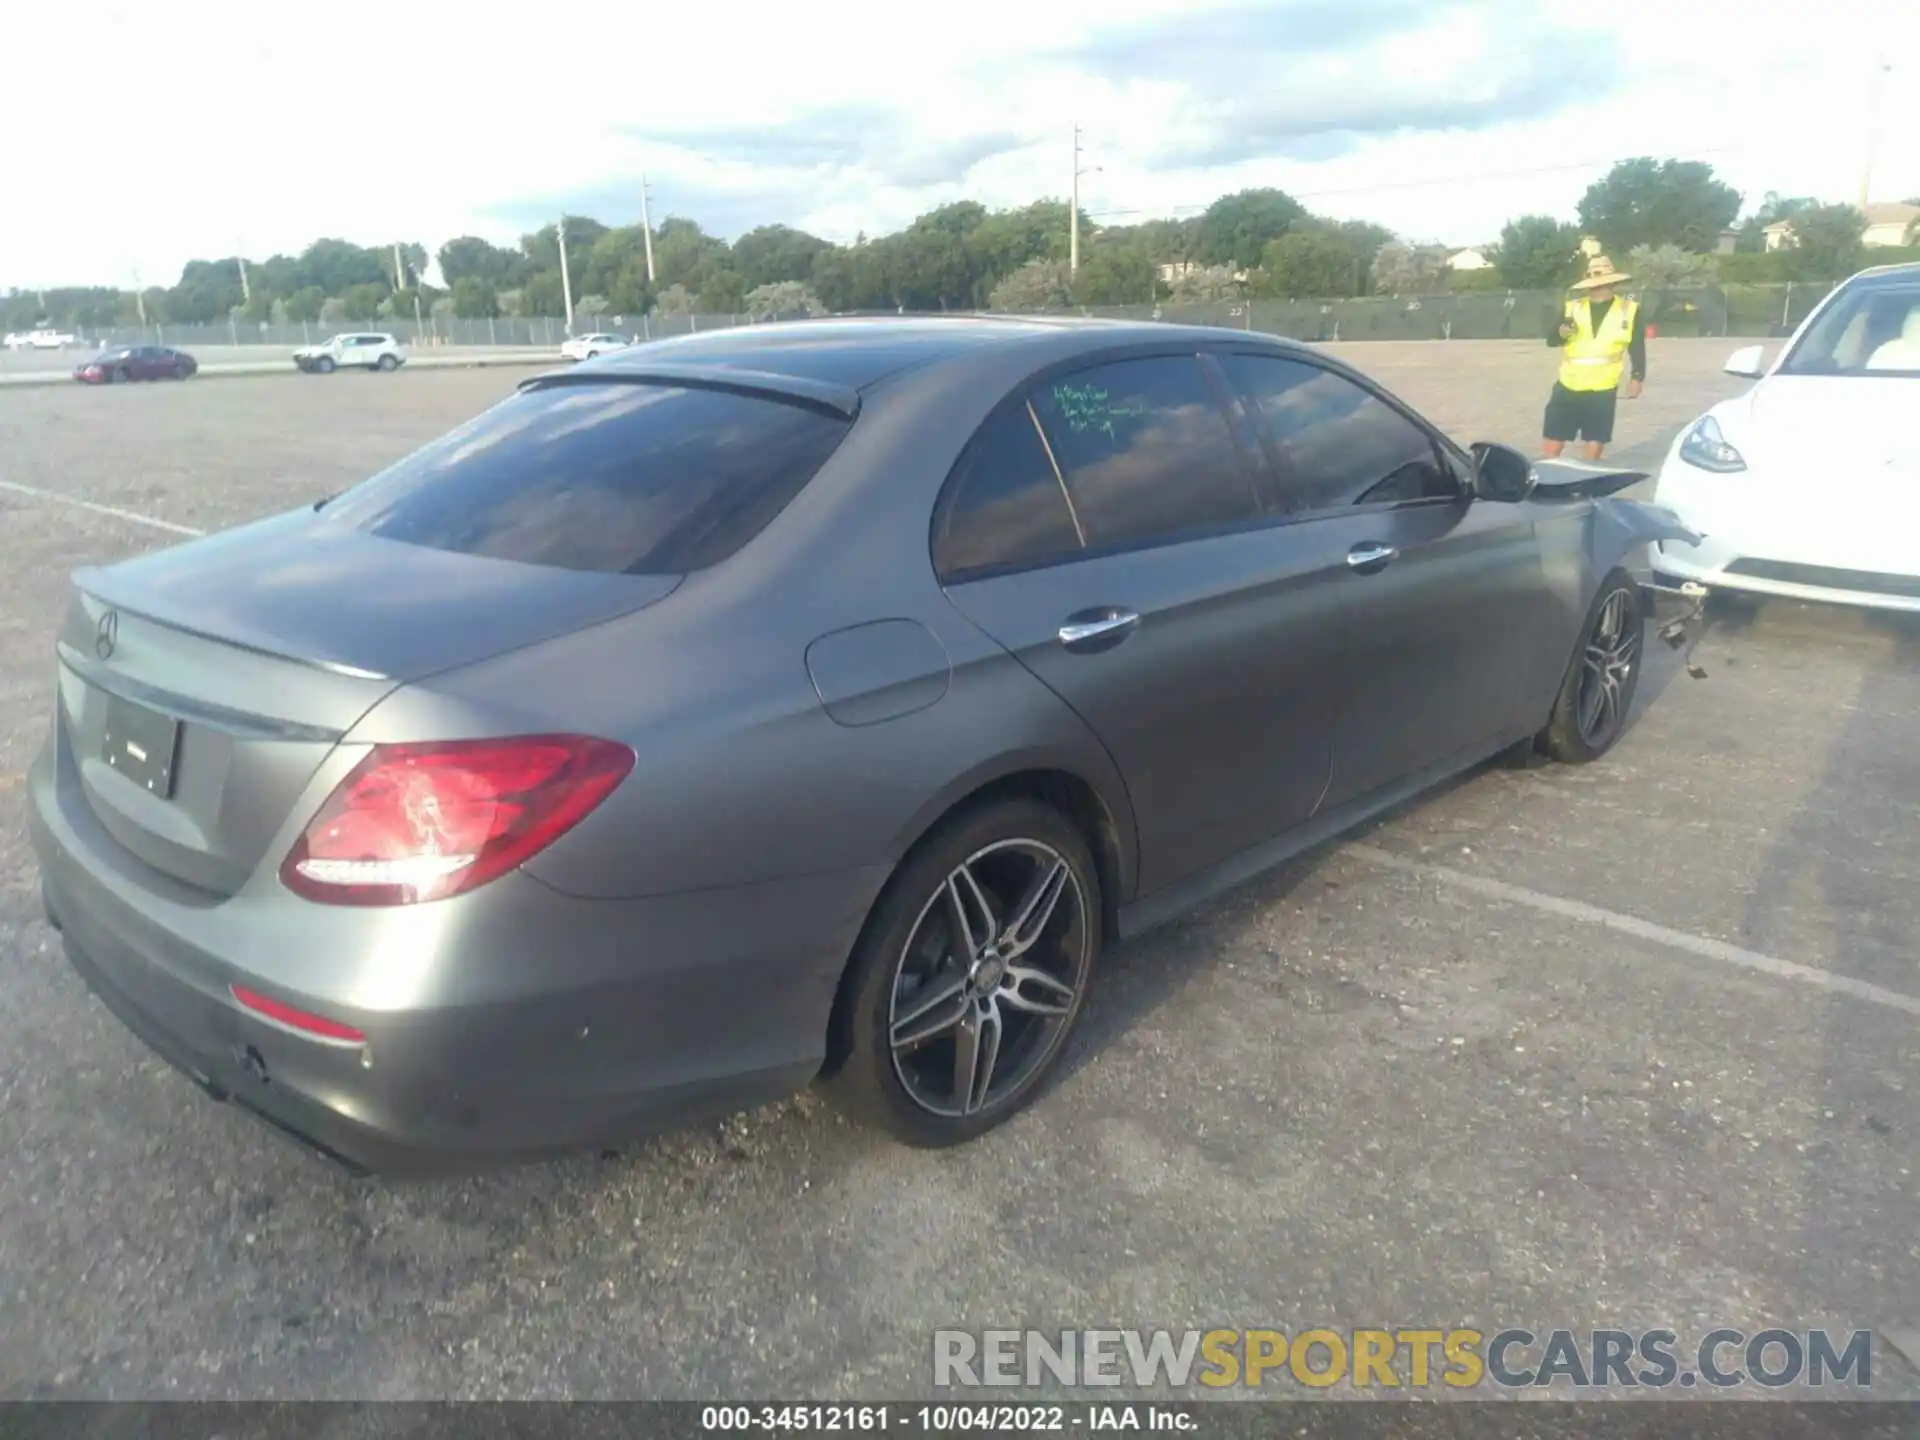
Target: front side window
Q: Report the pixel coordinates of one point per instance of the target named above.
(1335, 444)
(1145, 451)
(1866, 330)
(620, 478)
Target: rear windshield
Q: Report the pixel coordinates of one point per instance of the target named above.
(618, 478)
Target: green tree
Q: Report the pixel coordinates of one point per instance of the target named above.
(542, 294)
(337, 265)
(467, 257)
(1538, 252)
(1313, 262)
(1005, 240)
(782, 299)
(1668, 267)
(1116, 273)
(541, 248)
(1659, 202)
(1237, 228)
(675, 300)
(1827, 243)
(362, 302)
(771, 254)
(1036, 285)
(1401, 269)
(474, 298)
(1206, 285)
(722, 293)
(684, 254)
(303, 306)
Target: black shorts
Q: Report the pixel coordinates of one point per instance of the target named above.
(1580, 414)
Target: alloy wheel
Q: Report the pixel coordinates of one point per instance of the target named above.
(989, 979)
(1606, 666)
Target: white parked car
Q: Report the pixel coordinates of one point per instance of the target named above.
(41, 340)
(370, 350)
(585, 347)
(1808, 485)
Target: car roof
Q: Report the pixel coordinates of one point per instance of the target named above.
(857, 352)
(1877, 275)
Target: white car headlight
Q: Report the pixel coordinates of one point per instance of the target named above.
(1707, 449)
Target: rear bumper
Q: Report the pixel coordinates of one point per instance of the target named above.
(634, 1016)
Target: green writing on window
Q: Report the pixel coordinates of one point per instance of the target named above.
(1091, 408)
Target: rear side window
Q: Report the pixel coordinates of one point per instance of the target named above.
(1145, 450)
(1335, 443)
(623, 478)
(1004, 505)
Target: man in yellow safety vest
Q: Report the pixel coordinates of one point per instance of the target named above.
(1600, 338)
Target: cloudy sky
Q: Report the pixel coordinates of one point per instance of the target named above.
(140, 135)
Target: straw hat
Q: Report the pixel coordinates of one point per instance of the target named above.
(1600, 272)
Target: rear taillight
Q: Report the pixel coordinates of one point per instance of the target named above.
(424, 821)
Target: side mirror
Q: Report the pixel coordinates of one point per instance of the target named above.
(1501, 473)
(1749, 362)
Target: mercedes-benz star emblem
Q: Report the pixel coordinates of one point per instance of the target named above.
(107, 635)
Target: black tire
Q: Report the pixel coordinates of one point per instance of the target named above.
(180, 372)
(906, 956)
(120, 375)
(1596, 697)
(387, 362)
(324, 365)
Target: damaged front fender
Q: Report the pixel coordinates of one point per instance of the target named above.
(1637, 522)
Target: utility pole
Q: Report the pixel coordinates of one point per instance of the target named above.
(246, 290)
(646, 230)
(1073, 215)
(566, 283)
(1880, 68)
(140, 299)
(399, 270)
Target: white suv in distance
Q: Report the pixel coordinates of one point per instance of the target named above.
(40, 340)
(370, 351)
(585, 347)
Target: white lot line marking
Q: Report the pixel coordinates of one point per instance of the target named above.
(117, 513)
(1642, 929)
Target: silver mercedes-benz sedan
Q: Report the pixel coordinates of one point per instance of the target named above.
(799, 702)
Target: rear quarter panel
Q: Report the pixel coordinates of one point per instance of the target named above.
(742, 775)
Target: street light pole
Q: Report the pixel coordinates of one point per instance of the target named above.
(1880, 68)
(646, 230)
(1073, 218)
(566, 281)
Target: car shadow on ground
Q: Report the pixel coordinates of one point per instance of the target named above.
(1840, 886)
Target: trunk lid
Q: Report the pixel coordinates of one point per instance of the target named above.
(203, 685)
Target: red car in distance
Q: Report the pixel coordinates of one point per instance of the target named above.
(135, 362)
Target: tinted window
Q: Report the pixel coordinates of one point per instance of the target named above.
(1334, 443)
(1004, 505)
(645, 479)
(1145, 450)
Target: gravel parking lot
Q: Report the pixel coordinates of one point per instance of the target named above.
(1628, 1045)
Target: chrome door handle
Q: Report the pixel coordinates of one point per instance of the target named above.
(1361, 556)
(1086, 631)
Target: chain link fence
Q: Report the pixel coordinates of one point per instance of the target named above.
(1742, 310)
(1734, 310)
